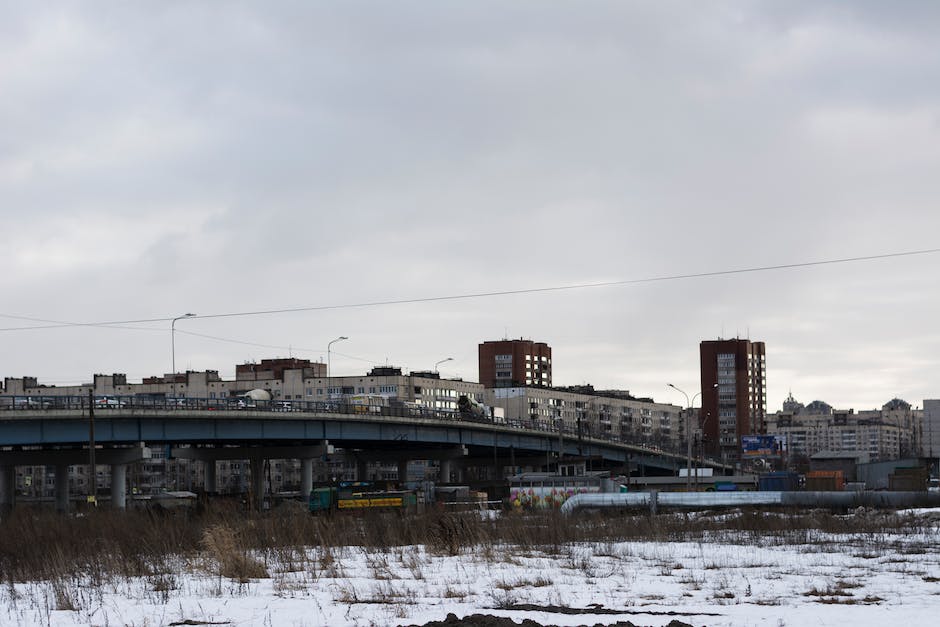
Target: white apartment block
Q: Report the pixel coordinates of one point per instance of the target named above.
(931, 426)
(608, 417)
(893, 432)
(384, 384)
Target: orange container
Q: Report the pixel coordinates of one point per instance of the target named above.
(825, 480)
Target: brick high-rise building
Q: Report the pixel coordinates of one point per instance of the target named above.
(515, 363)
(734, 393)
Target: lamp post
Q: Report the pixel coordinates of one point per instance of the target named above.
(442, 361)
(688, 438)
(339, 339)
(701, 445)
(173, 337)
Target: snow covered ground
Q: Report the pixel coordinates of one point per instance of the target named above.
(859, 580)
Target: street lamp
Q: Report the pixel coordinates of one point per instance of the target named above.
(688, 438)
(173, 336)
(339, 339)
(442, 361)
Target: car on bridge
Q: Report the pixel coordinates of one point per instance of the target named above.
(109, 402)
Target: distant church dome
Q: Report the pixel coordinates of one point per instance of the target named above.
(819, 407)
(792, 405)
(896, 403)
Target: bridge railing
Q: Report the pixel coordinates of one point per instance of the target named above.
(108, 403)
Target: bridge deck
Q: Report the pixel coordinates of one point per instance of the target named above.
(205, 421)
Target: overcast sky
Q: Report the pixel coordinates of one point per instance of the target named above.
(158, 158)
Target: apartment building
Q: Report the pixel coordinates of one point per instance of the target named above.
(734, 392)
(885, 434)
(909, 422)
(611, 414)
(515, 363)
(420, 388)
(931, 429)
(283, 378)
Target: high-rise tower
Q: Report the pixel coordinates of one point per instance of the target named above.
(515, 363)
(734, 393)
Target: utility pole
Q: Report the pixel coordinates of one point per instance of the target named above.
(688, 436)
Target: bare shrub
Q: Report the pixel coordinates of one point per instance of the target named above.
(64, 596)
(449, 533)
(451, 592)
(234, 562)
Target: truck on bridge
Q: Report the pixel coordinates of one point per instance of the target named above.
(472, 409)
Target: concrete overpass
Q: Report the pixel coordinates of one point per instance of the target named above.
(207, 430)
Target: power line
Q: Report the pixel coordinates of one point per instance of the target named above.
(432, 299)
(300, 349)
(59, 324)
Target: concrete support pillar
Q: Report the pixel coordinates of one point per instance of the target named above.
(402, 470)
(306, 477)
(7, 487)
(62, 487)
(458, 472)
(118, 486)
(211, 480)
(257, 482)
(445, 469)
(362, 470)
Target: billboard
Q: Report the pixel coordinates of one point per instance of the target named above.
(763, 445)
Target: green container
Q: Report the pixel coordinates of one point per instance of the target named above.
(321, 499)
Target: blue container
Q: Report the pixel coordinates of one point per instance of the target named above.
(778, 482)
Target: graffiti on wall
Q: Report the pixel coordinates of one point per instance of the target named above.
(545, 496)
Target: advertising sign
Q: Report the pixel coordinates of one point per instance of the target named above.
(762, 445)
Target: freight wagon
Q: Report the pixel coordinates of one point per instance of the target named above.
(360, 495)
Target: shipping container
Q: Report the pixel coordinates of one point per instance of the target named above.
(825, 481)
(908, 479)
(782, 481)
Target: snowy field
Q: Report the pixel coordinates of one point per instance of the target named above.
(859, 580)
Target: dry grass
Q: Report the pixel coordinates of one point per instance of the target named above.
(40, 545)
(224, 546)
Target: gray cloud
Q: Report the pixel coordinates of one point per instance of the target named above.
(189, 157)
